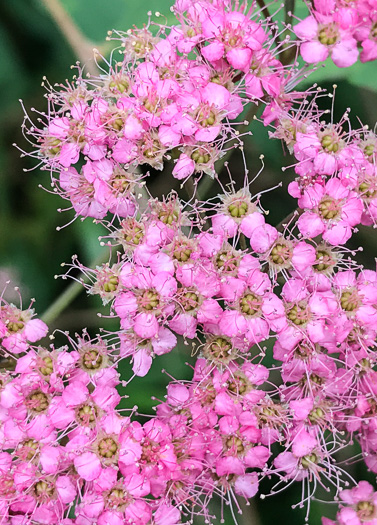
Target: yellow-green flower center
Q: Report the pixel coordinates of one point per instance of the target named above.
(37, 401)
(328, 35)
(329, 208)
(149, 300)
(86, 415)
(281, 254)
(46, 366)
(316, 415)
(189, 301)
(239, 384)
(43, 491)
(219, 350)
(298, 315)
(92, 359)
(324, 260)
(350, 300)
(118, 499)
(200, 156)
(15, 326)
(330, 143)
(119, 85)
(182, 251)
(234, 444)
(227, 262)
(238, 209)
(250, 304)
(365, 510)
(107, 448)
(309, 460)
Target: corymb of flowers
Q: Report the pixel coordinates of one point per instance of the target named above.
(279, 321)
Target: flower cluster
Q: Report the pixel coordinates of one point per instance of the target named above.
(337, 29)
(282, 319)
(361, 506)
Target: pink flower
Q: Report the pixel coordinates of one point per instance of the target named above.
(322, 37)
(334, 210)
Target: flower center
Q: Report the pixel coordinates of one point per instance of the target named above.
(281, 254)
(298, 314)
(92, 360)
(189, 301)
(52, 146)
(207, 394)
(132, 232)
(324, 260)
(118, 499)
(234, 444)
(206, 117)
(200, 156)
(227, 262)
(152, 148)
(373, 31)
(316, 380)
(182, 251)
(43, 491)
(15, 326)
(150, 453)
(238, 209)
(107, 447)
(7, 488)
(111, 284)
(350, 300)
(303, 352)
(119, 85)
(239, 384)
(250, 304)
(309, 460)
(328, 35)
(28, 450)
(86, 415)
(121, 184)
(37, 401)
(365, 510)
(316, 415)
(107, 282)
(45, 365)
(219, 350)
(368, 190)
(149, 300)
(329, 208)
(270, 415)
(330, 142)
(168, 216)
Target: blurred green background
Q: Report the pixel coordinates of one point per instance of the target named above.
(31, 250)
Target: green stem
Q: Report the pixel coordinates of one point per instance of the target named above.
(80, 44)
(249, 514)
(289, 7)
(207, 182)
(283, 223)
(70, 293)
(243, 243)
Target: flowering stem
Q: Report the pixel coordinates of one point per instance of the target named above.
(70, 293)
(249, 514)
(243, 242)
(284, 222)
(80, 44)
(264, 8)
(289, 7)
(205, 185)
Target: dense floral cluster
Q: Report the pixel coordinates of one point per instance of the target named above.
(241, 292)
(336, 28)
